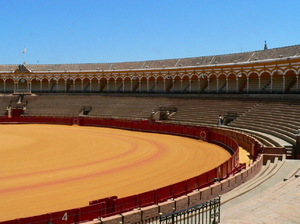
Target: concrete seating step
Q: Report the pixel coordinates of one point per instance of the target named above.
(269, 171)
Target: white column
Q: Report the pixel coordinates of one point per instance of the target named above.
(81, 85)
(66, 82)
(107, 84)
(90, 86)
(74, 85)
(123, 83)
(217, 85)
(199, 84)
(164, 85)
(4, 85)
(190, 83)
(99, 85)
(41, 85)
(237, 84)
(131, 86)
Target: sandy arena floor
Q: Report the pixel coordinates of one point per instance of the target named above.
(47, 168)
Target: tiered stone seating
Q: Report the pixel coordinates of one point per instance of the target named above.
(54, 105)
(4, 102)
(280, 119)
(189, 109)
(207, 111)
(104, 106)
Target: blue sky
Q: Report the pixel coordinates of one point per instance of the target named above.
(92, 31)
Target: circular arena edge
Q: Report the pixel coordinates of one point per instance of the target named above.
(110, 206)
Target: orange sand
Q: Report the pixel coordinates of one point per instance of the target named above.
(47, 168)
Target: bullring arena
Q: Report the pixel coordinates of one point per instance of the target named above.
(51, 164)
(142, 142)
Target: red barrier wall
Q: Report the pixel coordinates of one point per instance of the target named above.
(113, 205)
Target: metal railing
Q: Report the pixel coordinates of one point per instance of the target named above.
(208, 212)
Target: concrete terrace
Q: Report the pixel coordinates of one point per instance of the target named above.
(275, 200)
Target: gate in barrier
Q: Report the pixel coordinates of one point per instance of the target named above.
(208, 212)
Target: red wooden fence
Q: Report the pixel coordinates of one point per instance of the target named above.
(114, 205)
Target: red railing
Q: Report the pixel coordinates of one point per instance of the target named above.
(114, 205)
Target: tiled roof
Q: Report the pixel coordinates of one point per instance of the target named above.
(275, 53)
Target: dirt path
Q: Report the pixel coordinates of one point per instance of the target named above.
(47, 168)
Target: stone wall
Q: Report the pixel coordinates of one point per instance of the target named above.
(192, 199)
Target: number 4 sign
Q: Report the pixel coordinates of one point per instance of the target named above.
(65, 217)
